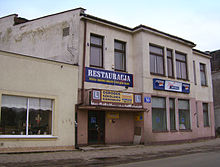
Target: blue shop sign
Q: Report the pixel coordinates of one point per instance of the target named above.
(160, 84)
(108, 77)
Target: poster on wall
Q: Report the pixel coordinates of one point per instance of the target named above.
(108, 77)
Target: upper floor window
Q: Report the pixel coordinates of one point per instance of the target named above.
(169, 63)
(203, 74)
(120, 57)
(181, 66)
(156, 60)
(96, 51)
(25, 116)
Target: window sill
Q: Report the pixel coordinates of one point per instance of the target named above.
(162, 75)
(28, 137)
(186, 80)
(185, 130)
(100, 67)
(160, 131)
(173, 131)
(204, 85)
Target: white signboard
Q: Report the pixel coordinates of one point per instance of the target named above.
(173, 86)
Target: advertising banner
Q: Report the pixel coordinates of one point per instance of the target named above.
(116, 98)
(173, 86)
(108, 77)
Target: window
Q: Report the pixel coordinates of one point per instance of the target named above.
(203, 75)
(159, 114)
(205, 114)
(184, 114)
(66, 31)
(181, 67)
(96, 51)
(169, 63)
(156, 60)
(197, 115)
(120, 58)
(172, 114)
(194, 72)
(25, 116)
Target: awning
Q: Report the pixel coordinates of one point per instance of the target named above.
(109, 108)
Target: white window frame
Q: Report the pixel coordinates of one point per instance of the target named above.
(30, 136)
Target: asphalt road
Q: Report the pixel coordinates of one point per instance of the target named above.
(208, 159)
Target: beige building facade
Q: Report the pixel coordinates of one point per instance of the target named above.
(135, 85)
(37, 98)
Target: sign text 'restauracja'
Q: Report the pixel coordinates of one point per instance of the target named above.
(108, 77)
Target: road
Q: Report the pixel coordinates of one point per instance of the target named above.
(208, 159)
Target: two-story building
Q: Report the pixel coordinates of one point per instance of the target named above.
(135, 85)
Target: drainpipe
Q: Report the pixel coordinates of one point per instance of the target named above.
(83, 85)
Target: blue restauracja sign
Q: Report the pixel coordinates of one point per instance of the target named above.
(160, 84)
(108, 77)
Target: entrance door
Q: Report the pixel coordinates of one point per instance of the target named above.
(96, 127)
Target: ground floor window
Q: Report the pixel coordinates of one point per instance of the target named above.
(184, 114)
(205, 114)
(25, 116)
(172, 114)
(159, 114)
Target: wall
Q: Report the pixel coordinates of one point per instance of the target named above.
(43, 37)
(27, 76)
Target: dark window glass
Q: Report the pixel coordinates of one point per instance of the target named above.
(96, 51)
(169, 63)
(66, 31)
(194, 72)
(172, 114)
(120, 57)
(184, 114)
(156, 60)
(205, 114)
(203, 74)
(181, 66)
(40, 116)
(159, 114)
(13, 115)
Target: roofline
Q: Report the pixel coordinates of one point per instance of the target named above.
(137, 28)
(15, 15)
(201, 53)
(37, 58)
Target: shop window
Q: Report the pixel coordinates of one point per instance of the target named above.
(25, 116)
(203, 74)
(181, 66)
(184, 114)
(205, 114)
(169, 63)
(156, 60)
(172, 114)
(96, 51)
(159, 114)
(120, 57)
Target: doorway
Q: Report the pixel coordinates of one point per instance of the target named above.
(96, 127)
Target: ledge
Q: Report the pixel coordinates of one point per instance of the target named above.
(28, 137)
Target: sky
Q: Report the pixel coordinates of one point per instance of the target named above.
(194, 20)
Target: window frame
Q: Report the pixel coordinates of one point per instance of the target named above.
(181, 62)
(99, 47)
(25, 136)
(185, 110)
(157, 55)
(208, 117)
(174, 111)
(165, 117)
(170, 58)
(203, 71)
(123, 51)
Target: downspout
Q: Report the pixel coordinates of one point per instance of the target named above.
(83, 85)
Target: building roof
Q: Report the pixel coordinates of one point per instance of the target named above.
(137, 28)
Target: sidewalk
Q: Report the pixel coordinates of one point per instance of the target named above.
(107, 155)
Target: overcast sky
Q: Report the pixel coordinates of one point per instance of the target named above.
(194, 20)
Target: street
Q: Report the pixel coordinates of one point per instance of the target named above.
(208, 159)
